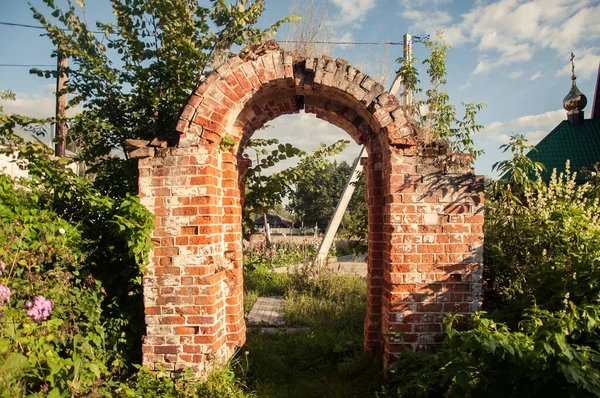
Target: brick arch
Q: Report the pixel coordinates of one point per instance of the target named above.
(425, 210)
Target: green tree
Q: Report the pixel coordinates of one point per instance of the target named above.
(356, 218)
(132, 79)
(318, 191)
(264, 191)
(435, 114)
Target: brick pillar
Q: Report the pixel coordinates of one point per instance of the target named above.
(185, 288)
(374, 180)
(433, 248)
(232, 227)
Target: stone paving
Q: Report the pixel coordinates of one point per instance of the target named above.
(267, 311)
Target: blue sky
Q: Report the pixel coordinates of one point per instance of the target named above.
(511, 54)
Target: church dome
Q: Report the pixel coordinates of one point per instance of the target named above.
(575, 101)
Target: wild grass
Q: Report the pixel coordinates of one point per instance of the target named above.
(324, 356)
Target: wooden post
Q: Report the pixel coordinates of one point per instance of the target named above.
(60, 135)
(340, 209)
(408, 95)
(398, 80)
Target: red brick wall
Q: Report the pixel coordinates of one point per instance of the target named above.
(425, 210)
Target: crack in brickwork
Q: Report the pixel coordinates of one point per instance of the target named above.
(425, 210)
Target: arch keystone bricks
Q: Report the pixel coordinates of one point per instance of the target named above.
(425, 210)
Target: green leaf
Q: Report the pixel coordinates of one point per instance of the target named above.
(15, 363)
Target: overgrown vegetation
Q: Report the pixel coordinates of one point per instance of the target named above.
(540, 334)
(68, 323)
(434, 113)
(73, 250)
(324, 356)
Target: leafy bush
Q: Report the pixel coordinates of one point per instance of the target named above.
(546, 251)
(222, 382)
(543, 357)
(66, 323)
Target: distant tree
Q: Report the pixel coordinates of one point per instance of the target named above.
(318, 191)
(264, 190)
(356, 218)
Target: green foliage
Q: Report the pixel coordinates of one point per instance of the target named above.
(264, 192)
(440, 116)
(516, 171)
(327, 300)
(354, 224)
(132, 80)
(325, 356)
(317, 192)
(222, 382)
(555, 255)
(541, 357)
(279, 254)
(43, 257)
(66, 241)
(227, 143)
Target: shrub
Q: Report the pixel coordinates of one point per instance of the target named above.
(69, 325)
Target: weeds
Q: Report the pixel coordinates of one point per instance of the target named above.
(324, 357)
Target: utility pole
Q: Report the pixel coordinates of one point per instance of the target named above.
(408, 42)
(60, 132)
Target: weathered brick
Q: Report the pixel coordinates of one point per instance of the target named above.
(425, 227)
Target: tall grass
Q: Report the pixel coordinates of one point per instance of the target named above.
(324, 356)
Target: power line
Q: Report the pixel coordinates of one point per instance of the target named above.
(415, 39)
(21, 25)
(25, 65)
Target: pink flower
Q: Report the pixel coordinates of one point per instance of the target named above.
(40, 309)
(5, 294)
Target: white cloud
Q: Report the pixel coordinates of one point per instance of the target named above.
(536, 76)
(346, 37)
(547, 120)
(38, 106)
(306, 132)
(426, 20)
(41, 105)
(482, 67)
(466, 85)
(587, 62)
(516, 74)
(353, 10)
(533, 137)
(512, 31)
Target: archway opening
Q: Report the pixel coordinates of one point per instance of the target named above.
(334, 108)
